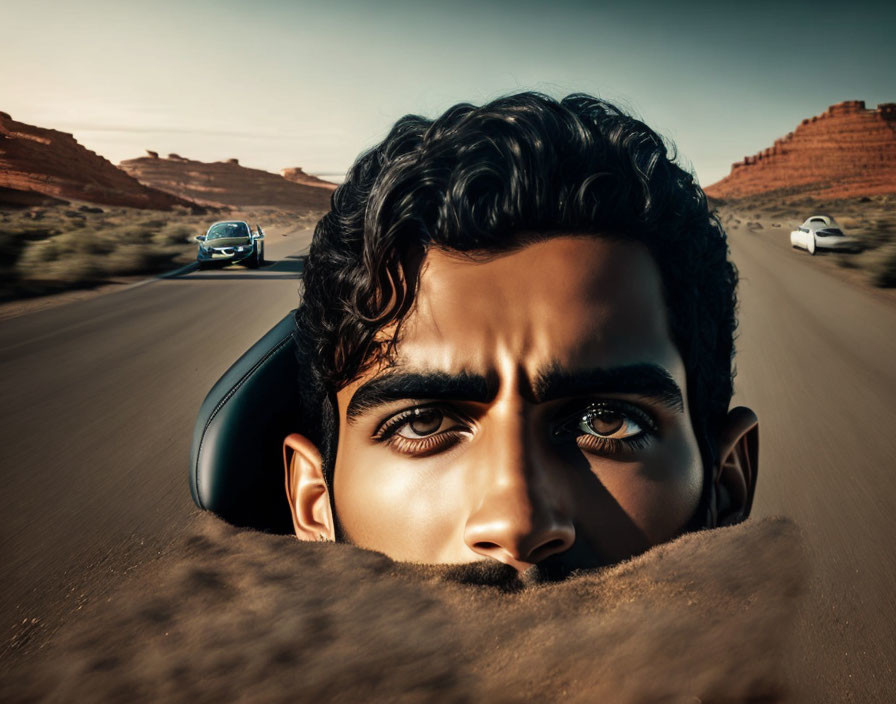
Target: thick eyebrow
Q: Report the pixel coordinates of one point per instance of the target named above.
(441, 386)
(649, 381)
(644, 380)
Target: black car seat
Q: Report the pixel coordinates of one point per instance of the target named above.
(236, 462)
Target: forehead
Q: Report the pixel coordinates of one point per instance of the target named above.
(569, 300)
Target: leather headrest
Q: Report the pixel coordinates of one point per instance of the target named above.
(236, 462)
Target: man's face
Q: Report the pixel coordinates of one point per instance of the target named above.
(535, 408)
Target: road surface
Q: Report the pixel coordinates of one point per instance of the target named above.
(817, 361)
(99, 399)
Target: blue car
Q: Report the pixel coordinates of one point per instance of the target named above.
(229, 242)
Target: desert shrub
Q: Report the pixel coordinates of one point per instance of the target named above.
(875, 236)
(153, 224)
(100, 223)
(885, 223)
(78, 269)
(136, 259)
(131, 233)
(847, 261)
(9, 284)
(86, 241)
(36, 254)
(30, 232)
(176, 233)
(883, 269)
(11, 247)
(95, 244)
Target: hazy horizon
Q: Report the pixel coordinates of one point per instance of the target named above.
(280, 84)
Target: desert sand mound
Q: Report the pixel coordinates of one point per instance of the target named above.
(845, 152)
(239, 615)
(225, 183)
(38, 160)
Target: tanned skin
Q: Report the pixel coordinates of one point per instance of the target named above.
(536, 410)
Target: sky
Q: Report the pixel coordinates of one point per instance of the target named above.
(281, 83)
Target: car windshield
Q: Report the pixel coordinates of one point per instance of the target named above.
(227, 229)
(829, 232)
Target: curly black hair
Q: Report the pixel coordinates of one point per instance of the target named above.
(482, 179)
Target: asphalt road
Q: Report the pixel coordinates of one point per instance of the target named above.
(817, 361)
(99, 399)
(98, 403)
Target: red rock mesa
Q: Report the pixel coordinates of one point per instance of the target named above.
(41, 161)
(846, 151)
(225, 183)
(296, 175)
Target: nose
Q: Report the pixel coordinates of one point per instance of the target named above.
(519, 522)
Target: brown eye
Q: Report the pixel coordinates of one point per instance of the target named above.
(611, 428)
(614, 424)
(425, 422)
(604, 422)
(424, 431)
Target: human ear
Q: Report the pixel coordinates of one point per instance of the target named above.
(306, 489)
(734, 478)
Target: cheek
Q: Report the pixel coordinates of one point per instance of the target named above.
(411, 510)
(660, 492)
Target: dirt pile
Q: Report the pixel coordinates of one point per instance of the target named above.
(225, 183)
(847, 151)
(52, 163)
(296, 175)
(237, 615)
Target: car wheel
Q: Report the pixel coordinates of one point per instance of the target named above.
(811, 245)
(261, 256)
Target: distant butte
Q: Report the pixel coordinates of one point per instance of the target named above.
(35, 160)
(296, 175)
(845, 152)
(226, 183)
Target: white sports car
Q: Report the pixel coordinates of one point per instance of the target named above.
(822, 232)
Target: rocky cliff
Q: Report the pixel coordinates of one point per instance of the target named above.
(34, 160)
(296, 175)
(846, 151)
(225, 183)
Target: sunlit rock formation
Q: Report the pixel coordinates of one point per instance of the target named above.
(846, 151)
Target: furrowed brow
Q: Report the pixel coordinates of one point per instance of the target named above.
(646, 380)
(440, 386)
